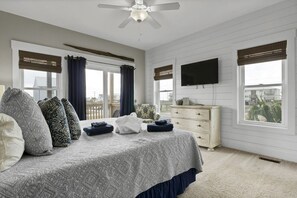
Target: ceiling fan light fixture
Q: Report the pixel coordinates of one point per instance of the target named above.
(139, 15)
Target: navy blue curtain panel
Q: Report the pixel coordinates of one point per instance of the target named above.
(127, 90)
(77, 85)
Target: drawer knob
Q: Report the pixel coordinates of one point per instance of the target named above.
(199, 137)
(199, 125)
(176, 112)
(198, 114)
(177, 122)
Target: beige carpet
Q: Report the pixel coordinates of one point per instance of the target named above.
(231, 173)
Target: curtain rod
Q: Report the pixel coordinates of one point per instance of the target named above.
(99, 62)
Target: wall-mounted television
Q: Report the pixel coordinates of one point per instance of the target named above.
(200, 73)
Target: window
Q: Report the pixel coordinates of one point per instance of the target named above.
(262, 89)
(40, 74)
(163, 89)
(40, 84)
(262, 97)
(165, 93)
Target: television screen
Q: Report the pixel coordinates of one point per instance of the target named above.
(200, 73)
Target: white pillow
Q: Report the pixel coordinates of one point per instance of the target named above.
(128, 124)
(12, 144)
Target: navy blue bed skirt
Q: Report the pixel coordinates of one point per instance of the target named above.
(171, 188)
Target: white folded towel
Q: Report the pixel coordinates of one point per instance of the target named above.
(128, 124)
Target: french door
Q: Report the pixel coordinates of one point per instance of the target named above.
(102, 91)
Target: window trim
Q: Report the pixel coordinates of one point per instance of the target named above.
(288, 84)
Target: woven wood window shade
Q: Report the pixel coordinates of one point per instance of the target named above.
(263, 53)
(40, 62)
(163, 73)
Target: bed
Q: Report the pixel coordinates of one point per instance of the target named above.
(108, 166)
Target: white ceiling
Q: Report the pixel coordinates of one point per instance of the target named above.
(84, 16)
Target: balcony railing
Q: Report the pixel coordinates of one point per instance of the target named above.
(95, 109)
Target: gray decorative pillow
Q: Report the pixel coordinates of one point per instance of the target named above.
(55, 116)
(73, 120)
(22, 107)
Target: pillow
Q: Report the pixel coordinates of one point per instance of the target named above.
(72, 118)
(22, 107)
(12, 144)
(55, 116)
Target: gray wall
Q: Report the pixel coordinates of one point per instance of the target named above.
(14, 27)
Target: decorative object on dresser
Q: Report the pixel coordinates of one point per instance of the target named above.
(186, 101)
(202, 121)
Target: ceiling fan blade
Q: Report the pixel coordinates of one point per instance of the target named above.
(114, 7)
(153, 22)
(165, 6)
(124, 23)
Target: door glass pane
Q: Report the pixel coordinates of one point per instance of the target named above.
(94, 91)
(263, 104)
(114, 87)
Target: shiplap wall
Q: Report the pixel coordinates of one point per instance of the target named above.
(218, 41)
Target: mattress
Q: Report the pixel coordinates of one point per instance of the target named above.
(108, 165)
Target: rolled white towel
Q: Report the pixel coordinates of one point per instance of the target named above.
(128, 124)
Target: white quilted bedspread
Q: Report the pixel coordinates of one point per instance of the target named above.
(108, 166)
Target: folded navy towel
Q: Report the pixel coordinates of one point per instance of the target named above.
(90, 131)
(160, 122)
(159, 128)
(98, 124)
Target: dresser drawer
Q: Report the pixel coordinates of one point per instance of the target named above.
(191, 125)
(197, 114)
(202, 139)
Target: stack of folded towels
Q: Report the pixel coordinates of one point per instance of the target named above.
(98, 128)
(160, 126)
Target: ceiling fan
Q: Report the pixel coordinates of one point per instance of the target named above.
(139, 11)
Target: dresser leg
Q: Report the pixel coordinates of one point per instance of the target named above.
(210, 149)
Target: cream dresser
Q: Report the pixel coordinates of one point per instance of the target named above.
(202, 121)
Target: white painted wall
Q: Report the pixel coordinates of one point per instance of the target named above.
(218, 42)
